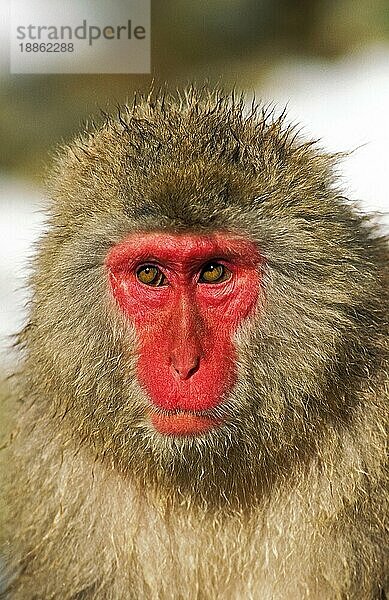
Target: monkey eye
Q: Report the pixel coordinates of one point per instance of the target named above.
(151, 275)
(214, 272)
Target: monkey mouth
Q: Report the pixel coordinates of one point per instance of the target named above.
(182, 423)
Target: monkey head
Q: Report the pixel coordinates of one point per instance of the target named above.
(201, 297)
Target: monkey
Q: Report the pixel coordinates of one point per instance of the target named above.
(203, 387)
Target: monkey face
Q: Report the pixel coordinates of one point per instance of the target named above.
(186, 295)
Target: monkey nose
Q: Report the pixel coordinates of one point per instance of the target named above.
(184, 368)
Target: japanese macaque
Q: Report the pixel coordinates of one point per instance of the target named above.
(204, 388)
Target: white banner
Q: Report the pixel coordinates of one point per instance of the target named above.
(80, 36)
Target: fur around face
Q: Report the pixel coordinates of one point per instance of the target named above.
(288, 499)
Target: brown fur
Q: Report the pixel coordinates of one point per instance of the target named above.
(288, 499)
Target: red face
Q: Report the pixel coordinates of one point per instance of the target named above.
(186, 295)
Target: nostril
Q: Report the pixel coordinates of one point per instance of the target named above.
(192, 370)
(186, 369)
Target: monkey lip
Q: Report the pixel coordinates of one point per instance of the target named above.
(183, 423)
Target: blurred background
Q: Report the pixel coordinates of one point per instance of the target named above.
(327, 60)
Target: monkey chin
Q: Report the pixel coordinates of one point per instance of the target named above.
(182, 423)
